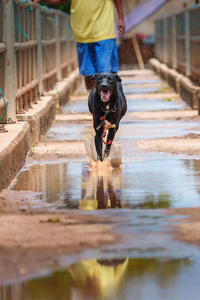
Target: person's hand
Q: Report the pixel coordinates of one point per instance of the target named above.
(121, 27)
(36, 2)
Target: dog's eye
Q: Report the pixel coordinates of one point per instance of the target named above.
(109, 78)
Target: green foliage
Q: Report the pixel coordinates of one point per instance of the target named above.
(64, 7)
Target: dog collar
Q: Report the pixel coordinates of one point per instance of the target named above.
(102, 119)
(107, 111)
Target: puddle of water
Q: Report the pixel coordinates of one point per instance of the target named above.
(149, 182)
(154, 105)
(137, 130)
(154, 129)
(114, 279)
(140, 129)
(133, 106)
(129, 90)
(63, 132)
(75, 107)
(136, 105)
(140, 81)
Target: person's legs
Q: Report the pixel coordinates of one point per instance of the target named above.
(97, 58)
(86, 58)
(106, 56)
(86, 67)
(89, 83)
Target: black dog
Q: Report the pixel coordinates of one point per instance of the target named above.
(107, 104)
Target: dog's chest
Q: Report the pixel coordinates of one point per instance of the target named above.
(110, 112)
(109, 125)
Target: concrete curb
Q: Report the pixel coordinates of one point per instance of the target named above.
(189, 92)
(13, 150)
(40, 117)
(15, 143)
(65, 88)
(181, 84)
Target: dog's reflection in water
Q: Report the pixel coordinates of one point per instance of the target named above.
(103, 188)
(107, 196)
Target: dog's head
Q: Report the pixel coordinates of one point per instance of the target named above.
(106, 84)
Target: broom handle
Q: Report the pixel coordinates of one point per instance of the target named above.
(137, 51)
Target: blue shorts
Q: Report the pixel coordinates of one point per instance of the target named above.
(97, 57)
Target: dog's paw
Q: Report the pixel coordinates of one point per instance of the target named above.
(107, 153)
(100, 158)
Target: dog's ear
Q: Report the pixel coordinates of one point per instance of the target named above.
(94, 76)
(118, 78)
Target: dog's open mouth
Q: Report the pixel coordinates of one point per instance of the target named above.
(105, 95)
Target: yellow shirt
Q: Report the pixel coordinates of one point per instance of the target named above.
(92, 20)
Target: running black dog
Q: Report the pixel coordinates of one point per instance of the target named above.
(107, 104)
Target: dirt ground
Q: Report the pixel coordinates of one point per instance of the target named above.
(188, 230)
(32, 244)
(188, 144)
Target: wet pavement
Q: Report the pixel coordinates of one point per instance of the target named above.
(145, 278)
(149, 264)
(153, 181)
(152, 265)
(145, 180)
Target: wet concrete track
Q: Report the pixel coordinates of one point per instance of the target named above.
(149, 264)
(145, 180)
(154, 181)
(153, 265)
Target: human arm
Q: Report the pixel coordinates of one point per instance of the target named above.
(120, 23)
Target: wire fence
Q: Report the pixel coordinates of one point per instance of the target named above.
(37, 49)
(178, 41)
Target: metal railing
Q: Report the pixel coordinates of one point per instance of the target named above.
(37, 49)
(3, 48)
(195, 43)
(178, 41)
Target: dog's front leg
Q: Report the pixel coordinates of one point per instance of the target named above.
(110, 137)
(98, 144)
